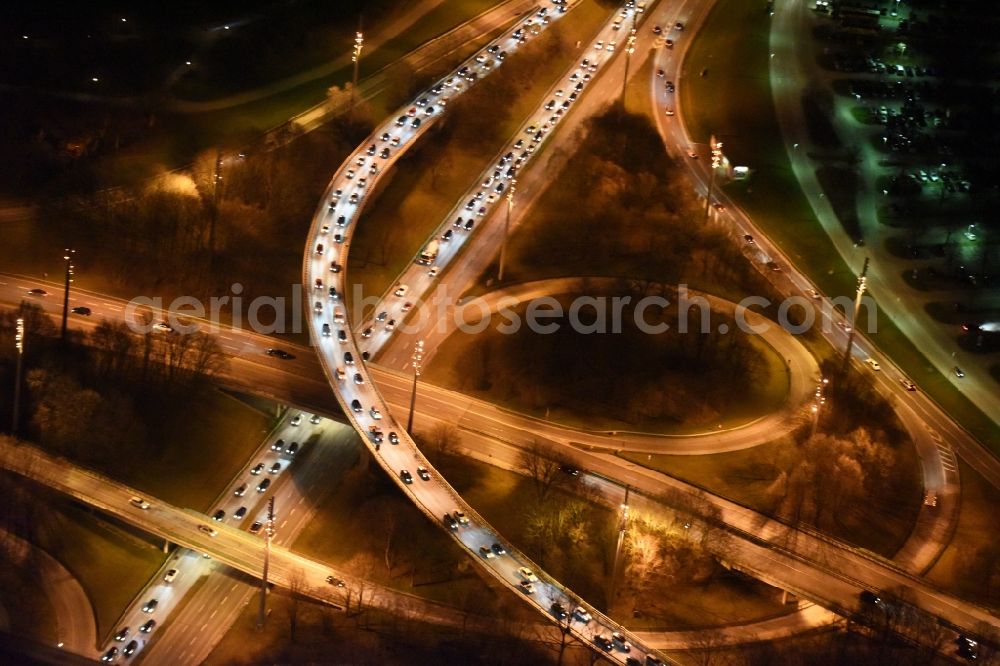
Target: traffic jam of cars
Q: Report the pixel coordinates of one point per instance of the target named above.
(344, 362)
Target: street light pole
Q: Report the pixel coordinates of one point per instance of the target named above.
(19, 346)
(818, 401)
(216, 177)
(862, 281)
(268, 535)
(622, 526)
(68, 258)
(418, 357)
(359, 43)
(629, 50)
(716, 163)
(506, 228)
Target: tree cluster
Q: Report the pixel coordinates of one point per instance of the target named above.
(830, 477)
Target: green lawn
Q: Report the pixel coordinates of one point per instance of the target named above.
(203, 444)
(969, 565)
(112, 562)
(24, 604)
(734, 102)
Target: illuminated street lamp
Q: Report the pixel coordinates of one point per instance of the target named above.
(359, 43)
(506, 227)
(819, 400)
(629, 50)
(19, 346)
(418, 359)
(269, 531)
(717, 158)
(862, 285)
(68, 258)
(622, 527)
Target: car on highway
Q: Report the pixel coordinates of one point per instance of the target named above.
(219, 516)
(958, 372)
(151, 604)
(582, 615)
(401, 290)
(279, 353)
(678, 26)
(498, 549)
(526, 587)
(315, 419)
(566, 468)
(619, 641)
(37, 292)
(336, 582)
(348, 358)
(773, 265)
(423, 473)
(293, 448)
(110, 655)
(527, 574)
(450, 522)
(813, 294)
(275, 468)
(669, 43)
(241, 490)
(210, 531)
(139, 503)
(81, 310)
(356, 406)
(908, 385)
(374, 413)
(660, 73)
(163, 327)
(461, 518)
(358, 378)
(130, 649)
(257, 469)
(393, 438)
(405, 475)
(873, 364)
(603, 642)
(147, 626)
(930, 499)
(263, 485)
(669, 86)
(279, 445)
(485, 552)
(122, 633)
(240, 513)
(668, 111)
(255, 528)
(657, 30)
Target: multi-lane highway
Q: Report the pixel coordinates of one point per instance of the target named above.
(469, 536)
(324, 268)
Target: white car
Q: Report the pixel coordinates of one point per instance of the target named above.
(170, 576)
(527, 574)
(873, 363)
(139, 503)
(401, 290)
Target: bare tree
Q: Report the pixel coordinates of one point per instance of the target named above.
(296, 584)
(444, 438)
(542, 464)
